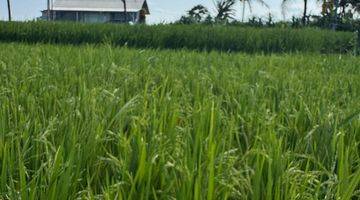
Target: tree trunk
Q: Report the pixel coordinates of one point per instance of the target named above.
(125, 11)
(305, 12)
(336, 4)
(9, 9)
(243, 11)
(53, 13)
(48, 10)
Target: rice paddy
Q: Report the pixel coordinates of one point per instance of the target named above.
(192, 37)
(104, 122)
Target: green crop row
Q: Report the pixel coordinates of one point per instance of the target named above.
(116, 123)
(195, 37)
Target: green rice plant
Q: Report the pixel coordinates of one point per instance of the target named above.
(101, 122)
(193, 37)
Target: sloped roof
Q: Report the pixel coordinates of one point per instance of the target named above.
(100, 5)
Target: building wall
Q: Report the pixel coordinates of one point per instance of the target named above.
(95, 17)
(120, 17)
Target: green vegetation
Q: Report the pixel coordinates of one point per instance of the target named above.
(194, 37)
(117, 123)
(341, 15)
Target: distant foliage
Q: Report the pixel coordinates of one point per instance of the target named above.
(225, 13)
(196, 37)
(343, 18)
(197, 14)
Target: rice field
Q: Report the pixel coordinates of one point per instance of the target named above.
(192, 37)
(104, 122)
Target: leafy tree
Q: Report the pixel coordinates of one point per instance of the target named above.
(208, 19)
(352, 6)
(197, 14)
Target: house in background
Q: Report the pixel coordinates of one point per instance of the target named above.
(97, 11)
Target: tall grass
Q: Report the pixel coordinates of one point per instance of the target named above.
(105, 123)
(222, 38)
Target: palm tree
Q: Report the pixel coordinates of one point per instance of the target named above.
(304, 12)
(249, 2)
(9, 9)
(225, 10)
(125, 10)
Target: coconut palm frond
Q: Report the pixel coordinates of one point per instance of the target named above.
(284, 7)
(250, 7)
(263, 3)
(250, 2)
(225, 9)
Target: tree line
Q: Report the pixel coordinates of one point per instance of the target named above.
(335, 14)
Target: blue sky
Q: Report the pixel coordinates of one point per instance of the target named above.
(165, 10)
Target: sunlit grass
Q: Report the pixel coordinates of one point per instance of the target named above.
(117, 123)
